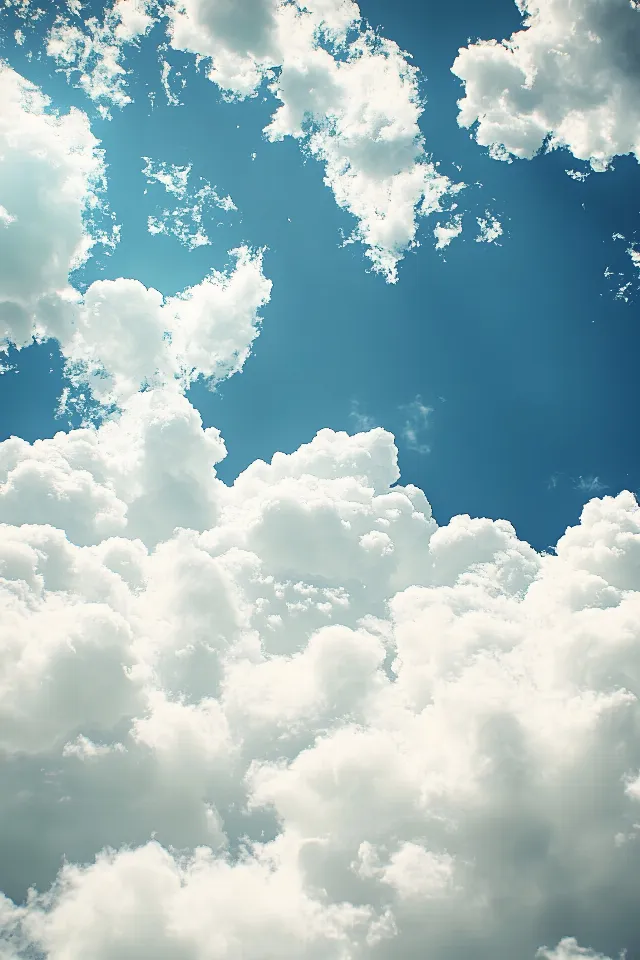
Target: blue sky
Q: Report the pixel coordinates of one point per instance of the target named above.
(319, 530)
(519, 348)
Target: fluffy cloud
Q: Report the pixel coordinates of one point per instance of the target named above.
(490, 229)
(570, 78)
(148, 471)
(50, 174)
(626, 285)
(347, 94)
(123, 336)
(294, 716)
(119, 336)
(446, 232)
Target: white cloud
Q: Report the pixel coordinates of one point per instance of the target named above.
(119, 336)
(569, 949)
(49, 181)
(289, 717)
(446, 232)
(425, 735)
(347, 94)
(570, 78)
(25, 9)
(184, 221)
(416, 425)
(92, 52)
(490, 229)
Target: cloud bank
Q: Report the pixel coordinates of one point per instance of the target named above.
(52, 171)
(570, 78)
(291, 716)
(295, 717)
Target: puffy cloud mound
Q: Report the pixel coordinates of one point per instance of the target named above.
(570, 78)
(93, 51)
(294, 717)
(347, 94)
(49, 176)
(119, 336)
(122, 336)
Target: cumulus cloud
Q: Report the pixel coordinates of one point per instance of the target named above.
(416, 425)
(295, 712)
(348, 95)
(122, 336)
(172, 96)
(50, 178)
(569, 78)
(119, 336)
(579, 175)
(446, 232)
(569, 949)
(184, 220)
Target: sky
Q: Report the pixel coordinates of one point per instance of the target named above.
(319, 539)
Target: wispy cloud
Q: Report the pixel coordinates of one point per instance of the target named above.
(590, 484)
(362, 421)
(416, 425)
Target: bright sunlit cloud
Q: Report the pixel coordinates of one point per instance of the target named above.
(292, 715)
(570, 78)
